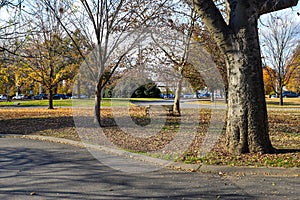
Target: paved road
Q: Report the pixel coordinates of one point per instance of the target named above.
(185, 103)
(57, 171)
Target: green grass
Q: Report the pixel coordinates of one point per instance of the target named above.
(35, 103)
(68, 102)
(287, 102)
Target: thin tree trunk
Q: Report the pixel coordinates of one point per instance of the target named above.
(176, 106)
(50, 102)
(78, 89)
(212, 95)
(280, 98)
(226, 95)
(98, 99)
(98, 109)
(7, 95)
(280, 92)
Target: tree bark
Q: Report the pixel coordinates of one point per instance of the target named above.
(98, 98)
(280, 95)
(212, 99)
(247, 122)
(50, 102)
(176, 106)
(247, 126)
(267, 6)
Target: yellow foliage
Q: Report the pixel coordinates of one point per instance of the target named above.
(294, 81)
(269, 79)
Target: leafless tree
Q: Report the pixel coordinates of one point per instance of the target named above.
(279, 39)
(111, 22)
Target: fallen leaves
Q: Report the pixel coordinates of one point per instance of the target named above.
(284, 133)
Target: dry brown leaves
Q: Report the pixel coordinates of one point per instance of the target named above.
(284, 133)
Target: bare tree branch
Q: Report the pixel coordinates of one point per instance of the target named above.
(267, 6)
(215, 22)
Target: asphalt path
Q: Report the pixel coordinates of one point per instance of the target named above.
(32, 169)
(185, 103)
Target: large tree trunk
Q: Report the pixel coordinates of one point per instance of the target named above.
(247, 126)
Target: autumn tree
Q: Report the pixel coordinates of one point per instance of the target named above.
(294, 83)
(7, 79)
(237, 36)
(278, 42)
(11, 77)
(11, 38)
(48, 52)
(269, 76)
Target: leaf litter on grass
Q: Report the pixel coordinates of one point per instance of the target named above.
(284, 133)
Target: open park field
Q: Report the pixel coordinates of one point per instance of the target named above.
(38, 120)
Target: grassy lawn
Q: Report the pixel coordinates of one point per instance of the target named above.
(35, 103)
(69, 102)
(283, 123)
(287, 102)
(271, 102)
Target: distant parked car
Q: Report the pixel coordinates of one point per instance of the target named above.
(41, 96)
(3, 97)
(166, 96)
(203, 95)
(59, 96)
(188, 96)
(82, 96)
(289, 94)
(19, 97)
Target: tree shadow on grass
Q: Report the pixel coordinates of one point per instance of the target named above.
(285, 151)
(33, 125)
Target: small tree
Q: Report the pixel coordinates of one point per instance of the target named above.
(49, 54)
(175, 44)
(269, 76)
(109, 23)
